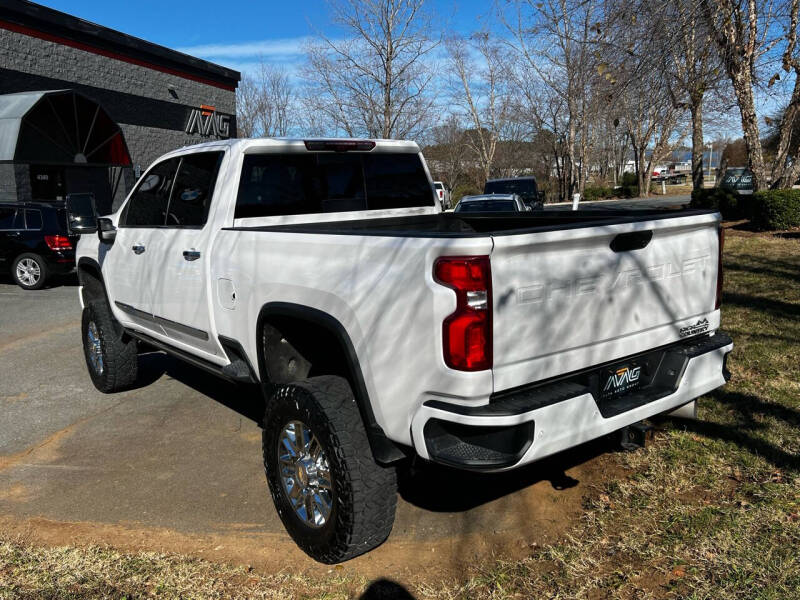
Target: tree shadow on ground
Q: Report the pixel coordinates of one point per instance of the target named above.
(747, 226)
(777, 270)
(442, 489)
(776, 308)
(425, 485)
(761, 265)
(748, 409)
(245, 399)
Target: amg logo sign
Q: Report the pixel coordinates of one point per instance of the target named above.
(207, 122)
(622, 380)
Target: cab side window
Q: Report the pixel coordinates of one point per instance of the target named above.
(7, 217)
(33, 219)
(194, 186)
(148, 205)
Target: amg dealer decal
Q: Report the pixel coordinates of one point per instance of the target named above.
(700, 327)
(622, 380)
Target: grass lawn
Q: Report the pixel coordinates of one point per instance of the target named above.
(673, 190)
(710, 509)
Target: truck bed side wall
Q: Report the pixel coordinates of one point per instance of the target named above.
(380, 289)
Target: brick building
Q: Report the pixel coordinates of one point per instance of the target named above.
(86, 108)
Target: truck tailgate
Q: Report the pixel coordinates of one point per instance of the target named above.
(565, 300)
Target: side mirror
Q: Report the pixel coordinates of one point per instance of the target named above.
(106, 230)
(81, 213)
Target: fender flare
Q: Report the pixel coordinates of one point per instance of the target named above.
(89, 264)
(384, 450)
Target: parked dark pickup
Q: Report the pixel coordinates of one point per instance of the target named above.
(35, 243)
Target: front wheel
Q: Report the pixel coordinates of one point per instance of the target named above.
(29, 271)
(111, 357)
(334, 500)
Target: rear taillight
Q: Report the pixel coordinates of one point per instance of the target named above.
(467, 332)
(718, 302)
(58, 242)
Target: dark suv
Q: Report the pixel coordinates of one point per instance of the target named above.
(35, 242)
(524, 187)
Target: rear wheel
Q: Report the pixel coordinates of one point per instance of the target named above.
(334, 500)
(29, 271)
(111, 357)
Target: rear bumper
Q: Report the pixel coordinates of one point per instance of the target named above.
(60, 261)
(524, 425)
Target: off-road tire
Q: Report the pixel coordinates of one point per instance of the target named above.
(365, 493)
(119, 352)
(43, 271)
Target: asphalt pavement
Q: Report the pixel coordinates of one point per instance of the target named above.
(175, 465)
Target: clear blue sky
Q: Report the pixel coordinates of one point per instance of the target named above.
(235, 32)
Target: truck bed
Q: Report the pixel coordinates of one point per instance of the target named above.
(448, 225)
(570, 290)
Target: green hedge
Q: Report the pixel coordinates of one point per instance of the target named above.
(730, 205)
(597, 192)
(775, 209)
(768, 210)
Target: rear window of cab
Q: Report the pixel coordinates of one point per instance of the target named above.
(324, 182)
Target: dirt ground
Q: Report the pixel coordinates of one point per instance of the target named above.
(175, 466)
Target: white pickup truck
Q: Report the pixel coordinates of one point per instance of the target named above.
(381, 328)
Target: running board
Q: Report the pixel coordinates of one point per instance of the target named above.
(237, 371)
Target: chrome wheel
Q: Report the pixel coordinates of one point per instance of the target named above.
(28, 272)
(94, 347)
(305, 474)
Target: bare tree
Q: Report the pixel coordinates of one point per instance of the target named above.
(448, 155)
(690, 64)
(552, 41)
(479, 90)
(613, 144)
(651, 121)
(739, 28)
(516, 153)
(786, 168)
(263, 102)
(374, 82)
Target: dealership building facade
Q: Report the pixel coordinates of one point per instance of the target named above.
(84, 108)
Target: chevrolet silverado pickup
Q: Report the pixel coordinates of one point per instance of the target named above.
(381, 328)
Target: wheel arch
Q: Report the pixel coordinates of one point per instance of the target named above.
(90, 277)
(298, 317)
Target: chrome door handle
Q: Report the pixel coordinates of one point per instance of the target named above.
(137, 248)
(191, 254)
